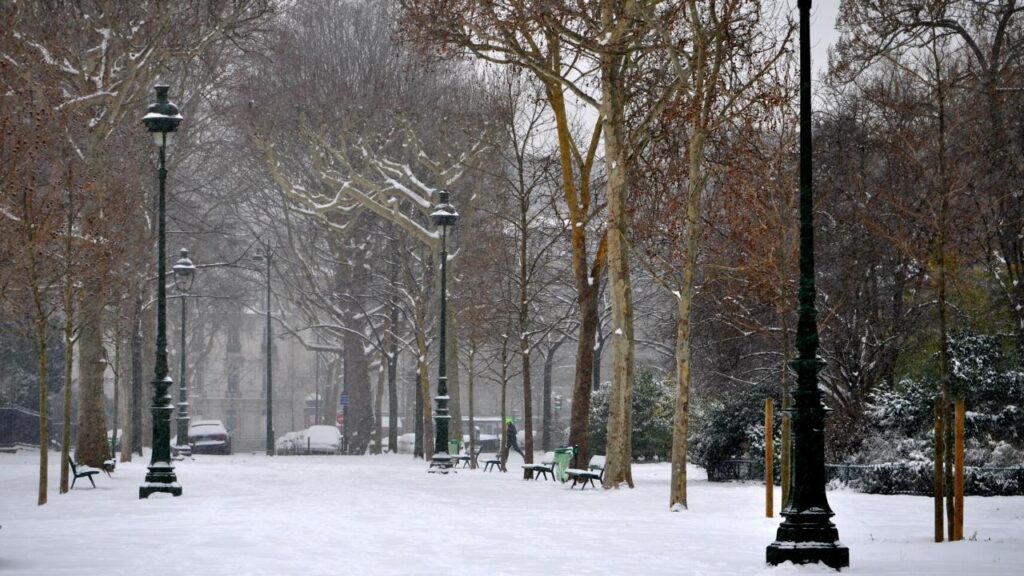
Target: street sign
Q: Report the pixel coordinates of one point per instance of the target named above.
(340, 419)
(343, 401)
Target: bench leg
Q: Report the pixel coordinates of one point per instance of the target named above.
(90, 481)
(73, 483)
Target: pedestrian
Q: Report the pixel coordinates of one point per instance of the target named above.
(511, 437)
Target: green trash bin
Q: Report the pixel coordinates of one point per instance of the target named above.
(453, 448)
(563, 456)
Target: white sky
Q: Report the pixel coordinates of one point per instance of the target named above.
(823, 32)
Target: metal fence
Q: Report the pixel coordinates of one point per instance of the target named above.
(914, 478)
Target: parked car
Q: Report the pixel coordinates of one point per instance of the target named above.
(209, 437)
(321, 439)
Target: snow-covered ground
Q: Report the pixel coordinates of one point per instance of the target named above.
(297, 515)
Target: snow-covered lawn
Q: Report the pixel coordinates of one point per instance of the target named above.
(297, 515)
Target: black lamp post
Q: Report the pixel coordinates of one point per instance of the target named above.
(162, 121)
(807, 534)
(262, 257)
(184, 275)
(444, 215)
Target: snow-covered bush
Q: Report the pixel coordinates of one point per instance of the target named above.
(918, 478)
(993, 391)
(729, 427)
(901, 423)
(653, 411)
(905, 410)
(897, 478)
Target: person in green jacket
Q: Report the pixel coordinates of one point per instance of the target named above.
(511, 437)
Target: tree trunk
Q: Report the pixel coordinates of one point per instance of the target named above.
(680, 434)
(392, 355)
(378, 413)
(135, 428)
(503, 436)
(69, 360)
(332, 390)
(471, 449)
(587, 281)
(68, 301)
(549, 424)
(452, 371)
(359, 416)
(618, 468)
(417, 448)
(44, 409)
(527, 410)
(524, 340)
(392, 358)
(91, 441)
(423, 376)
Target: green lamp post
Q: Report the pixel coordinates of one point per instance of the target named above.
(264, 257)
(807, 534)
(184, 275)
(444, 215)
(162, 121)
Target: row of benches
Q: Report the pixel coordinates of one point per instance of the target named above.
(594, 470)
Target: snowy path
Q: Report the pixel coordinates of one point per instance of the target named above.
(249, 514)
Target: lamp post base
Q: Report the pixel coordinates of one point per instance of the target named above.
(172, 489)
(160, 478)
(808, 543)
(833, 555)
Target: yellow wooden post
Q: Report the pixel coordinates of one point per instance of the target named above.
(958, 480)
(769, 456)
(939, 487)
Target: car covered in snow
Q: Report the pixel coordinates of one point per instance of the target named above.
(321, 439)
(209, 437)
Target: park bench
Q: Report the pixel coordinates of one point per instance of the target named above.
(594, 471)
(492, 462)
(82, 472)
(465, 458)
(546, 466)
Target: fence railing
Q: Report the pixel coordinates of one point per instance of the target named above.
(909, 477)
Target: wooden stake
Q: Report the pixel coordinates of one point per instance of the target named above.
(958, 480)
(769, 457)
(939, 486)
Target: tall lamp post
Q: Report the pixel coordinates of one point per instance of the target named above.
(184, 275)
(261, 257)
(807, 534)
(444, 215)
(162, 121)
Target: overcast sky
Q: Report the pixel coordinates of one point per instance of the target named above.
(823, 32)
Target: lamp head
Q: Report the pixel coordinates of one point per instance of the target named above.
(444, 213)
(184, 272)
(162, 117)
